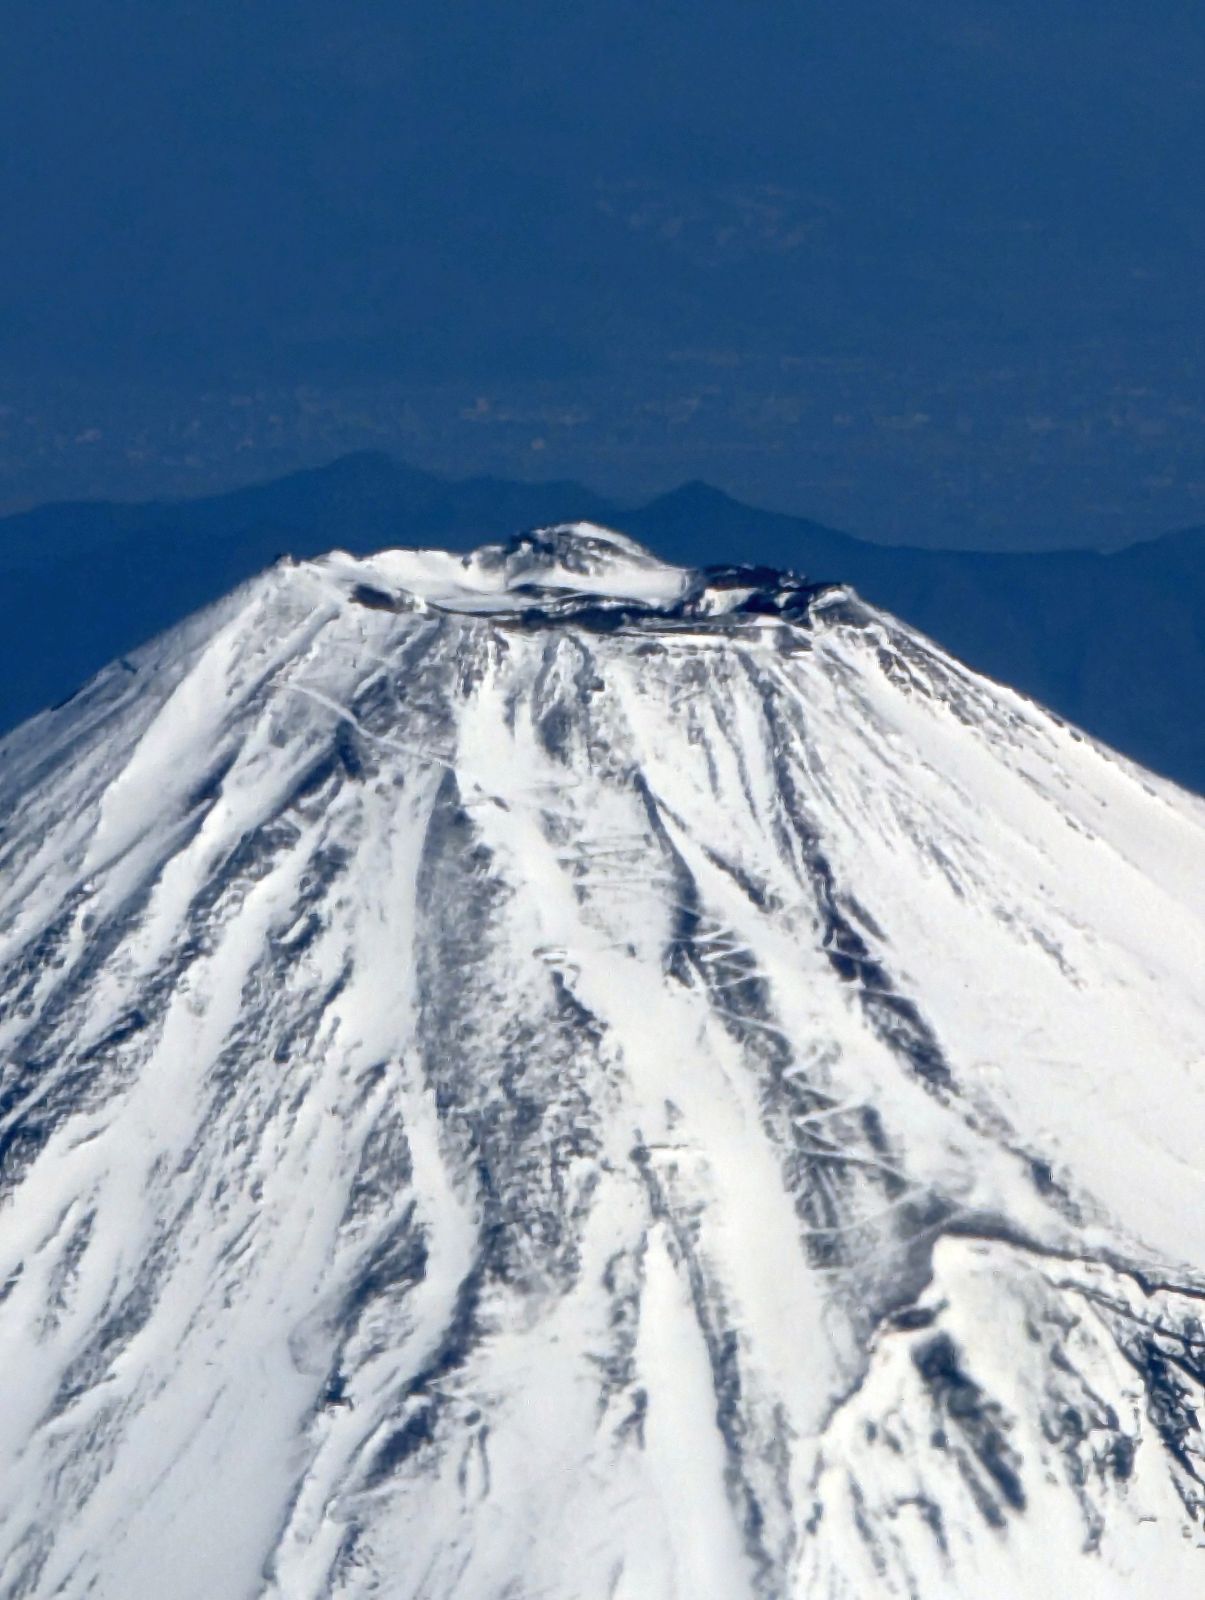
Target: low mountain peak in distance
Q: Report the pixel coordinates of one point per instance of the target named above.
(545, 1071)
(700, 498)
(696, 492)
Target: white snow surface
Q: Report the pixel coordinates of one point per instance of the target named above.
(546, 1074)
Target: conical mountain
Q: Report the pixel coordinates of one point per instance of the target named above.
(548, 1074)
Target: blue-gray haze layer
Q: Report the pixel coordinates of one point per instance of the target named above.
(929, 271)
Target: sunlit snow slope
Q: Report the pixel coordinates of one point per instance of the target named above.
(553, 1076)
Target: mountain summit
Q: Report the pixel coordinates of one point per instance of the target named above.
(551, 1074)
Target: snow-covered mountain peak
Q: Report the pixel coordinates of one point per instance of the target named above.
(583, 575)
(557, 564)
(600, 555)
(547, 1073)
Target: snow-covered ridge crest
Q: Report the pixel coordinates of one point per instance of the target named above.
(547, 1073)
(573, 558)
(573, 571)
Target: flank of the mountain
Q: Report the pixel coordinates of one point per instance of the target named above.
(547, 1073)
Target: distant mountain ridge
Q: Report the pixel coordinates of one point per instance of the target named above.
(1114, 643)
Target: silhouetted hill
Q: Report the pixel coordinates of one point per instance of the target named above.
(1115, 643)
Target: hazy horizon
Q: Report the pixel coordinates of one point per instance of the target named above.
(928, 275)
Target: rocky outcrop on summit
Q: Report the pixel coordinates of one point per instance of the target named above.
(551, 1074)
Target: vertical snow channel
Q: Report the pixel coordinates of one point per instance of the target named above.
(685, 1451)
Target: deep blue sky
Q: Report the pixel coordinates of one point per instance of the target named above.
(923, 268)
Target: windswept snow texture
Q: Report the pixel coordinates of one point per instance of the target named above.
(550, 1075)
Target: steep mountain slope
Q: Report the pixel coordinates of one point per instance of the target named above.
(552, 1074)
(1113, 642)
